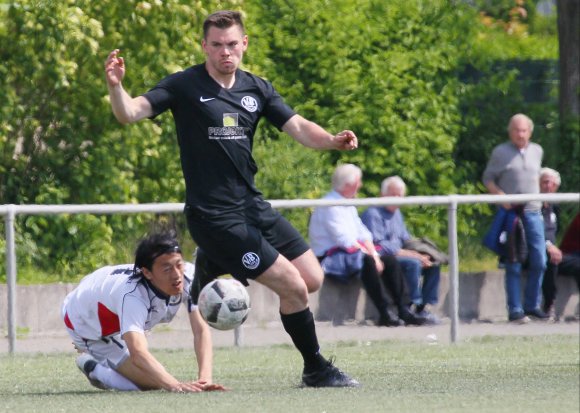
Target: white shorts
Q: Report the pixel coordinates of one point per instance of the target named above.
(111, 350)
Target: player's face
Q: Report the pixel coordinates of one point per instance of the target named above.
(224, 49)
(394, 190)
(520, 133)
(167, 273)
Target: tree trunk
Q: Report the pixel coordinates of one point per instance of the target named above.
(569, 37)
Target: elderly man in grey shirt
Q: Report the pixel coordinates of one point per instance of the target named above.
(514, 168)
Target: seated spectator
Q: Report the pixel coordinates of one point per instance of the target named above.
(339, 239)
(561, 261)
(570, 247)
(389, 235)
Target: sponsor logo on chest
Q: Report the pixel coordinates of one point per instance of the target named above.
(230, 129)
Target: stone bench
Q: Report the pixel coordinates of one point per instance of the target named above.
(481, 298)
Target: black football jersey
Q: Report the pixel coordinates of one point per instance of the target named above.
(215, 130)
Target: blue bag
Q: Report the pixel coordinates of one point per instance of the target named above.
(496, 237)
(342, 265)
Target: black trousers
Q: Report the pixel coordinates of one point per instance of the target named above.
(393, 280)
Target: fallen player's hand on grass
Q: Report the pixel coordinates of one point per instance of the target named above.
(205, 386)
(214, 387)
(188, 387)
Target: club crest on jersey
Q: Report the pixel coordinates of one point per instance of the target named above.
(251, 260)
(249, 103)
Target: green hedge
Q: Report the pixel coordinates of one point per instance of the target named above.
(394, 72)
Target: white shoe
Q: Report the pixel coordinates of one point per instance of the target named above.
(518, 317)
(429, 315)
(86, 364)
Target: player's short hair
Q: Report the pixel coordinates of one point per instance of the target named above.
(395, 181)
(553, 173)
(152, 246)
(345, 174)
(223, 19)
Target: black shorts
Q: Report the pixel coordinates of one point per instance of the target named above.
(245, 243)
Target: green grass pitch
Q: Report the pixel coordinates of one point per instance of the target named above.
(490, 374)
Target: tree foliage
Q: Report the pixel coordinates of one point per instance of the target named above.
(513, 68)
(60, 142)
(427, 87)
(386, 70)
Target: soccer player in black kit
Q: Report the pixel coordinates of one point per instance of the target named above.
(216, 108)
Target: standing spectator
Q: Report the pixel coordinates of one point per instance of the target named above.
(559, 262)
(390, 234)
(338, 229)
(216, 108)
(108, 314)
(514, 168)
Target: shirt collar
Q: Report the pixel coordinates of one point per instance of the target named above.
(334, 195)
(158, 293)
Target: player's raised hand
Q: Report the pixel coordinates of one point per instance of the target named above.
(114, 68)
(346, 140)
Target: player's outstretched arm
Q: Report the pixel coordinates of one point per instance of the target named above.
(125, 108)
(143, 369)
(202, 345)
(314, 136)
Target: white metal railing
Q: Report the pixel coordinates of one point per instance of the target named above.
(451, 201)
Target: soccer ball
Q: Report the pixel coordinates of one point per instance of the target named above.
(224, 303)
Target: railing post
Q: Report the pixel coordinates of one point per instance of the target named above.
(11, 278)
(453, 268)
(239, 336)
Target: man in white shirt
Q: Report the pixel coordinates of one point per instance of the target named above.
(339, 229)
(109, 312)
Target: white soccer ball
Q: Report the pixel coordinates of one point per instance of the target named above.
(224, 303)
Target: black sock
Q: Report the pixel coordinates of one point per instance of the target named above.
(300, 326)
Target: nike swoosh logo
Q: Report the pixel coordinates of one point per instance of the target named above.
(202, 99)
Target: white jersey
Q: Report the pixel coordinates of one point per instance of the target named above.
(110, 301)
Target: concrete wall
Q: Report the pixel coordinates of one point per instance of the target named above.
(481, 297)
